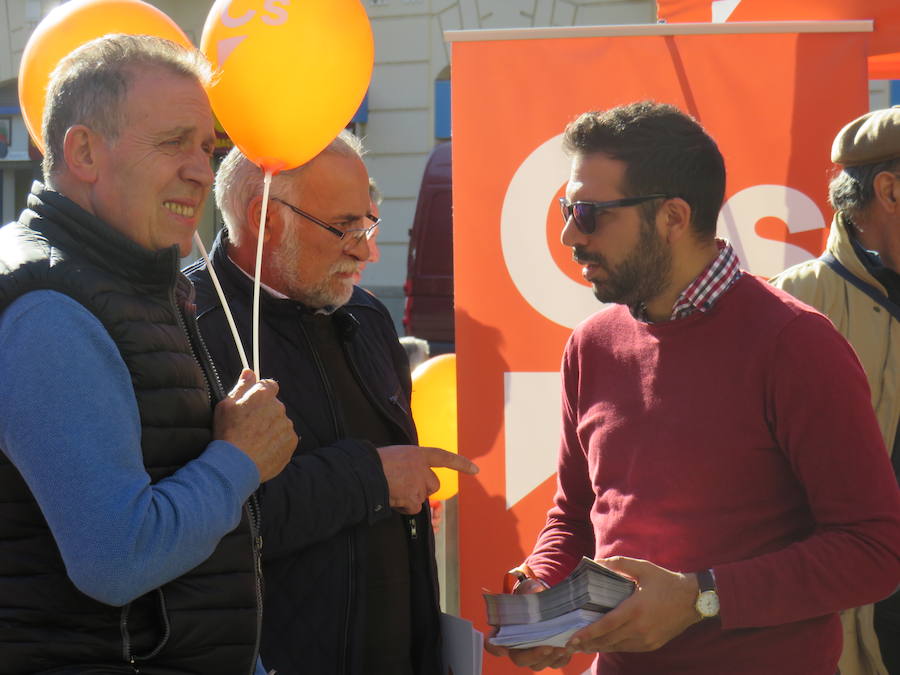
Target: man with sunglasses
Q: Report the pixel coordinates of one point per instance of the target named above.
(348, 552)
(718, 445)
(856, 283)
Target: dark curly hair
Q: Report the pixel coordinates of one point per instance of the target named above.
(664, 150)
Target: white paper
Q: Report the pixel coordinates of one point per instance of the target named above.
(551, 632)
(463, 646)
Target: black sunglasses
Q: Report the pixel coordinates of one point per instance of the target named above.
(585, 213)
(357, 234)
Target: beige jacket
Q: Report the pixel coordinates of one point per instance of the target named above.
(875, 335)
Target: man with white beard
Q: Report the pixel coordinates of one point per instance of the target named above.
(351, 584)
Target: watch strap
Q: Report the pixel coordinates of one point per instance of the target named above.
(706, 580)
(516, 575)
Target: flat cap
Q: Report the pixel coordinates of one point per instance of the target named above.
(872, 138)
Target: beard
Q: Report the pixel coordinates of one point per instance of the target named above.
(640, 277)
(329, 291)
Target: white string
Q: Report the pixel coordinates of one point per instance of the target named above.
(215, 280)
(267, 182)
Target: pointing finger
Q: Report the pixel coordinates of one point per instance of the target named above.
(449, 460)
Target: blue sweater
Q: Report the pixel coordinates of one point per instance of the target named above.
(69, 423)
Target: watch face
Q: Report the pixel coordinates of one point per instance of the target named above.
(708, 604)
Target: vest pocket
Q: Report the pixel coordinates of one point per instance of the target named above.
(145, 627)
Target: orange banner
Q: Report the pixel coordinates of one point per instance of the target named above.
(885, 39)
(768, 100)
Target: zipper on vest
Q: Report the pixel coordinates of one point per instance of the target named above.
(212, 375)
(182, 323)
(126, 637)
(215, 392)
(254, 516)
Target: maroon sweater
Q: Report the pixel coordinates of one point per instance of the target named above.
(743, 440)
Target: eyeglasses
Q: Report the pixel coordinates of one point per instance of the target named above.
(357, 233)
(585, 213)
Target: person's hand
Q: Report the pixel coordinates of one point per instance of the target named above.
(253, 419)
(536, 658)
(661, 608)
(410, 479)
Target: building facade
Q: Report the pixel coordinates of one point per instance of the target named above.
(407, 109)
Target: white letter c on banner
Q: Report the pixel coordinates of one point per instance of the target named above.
(524, 241)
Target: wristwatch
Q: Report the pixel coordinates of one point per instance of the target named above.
(707, 602)
(516, 576)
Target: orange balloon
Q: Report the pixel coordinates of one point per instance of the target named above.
(291, 75)
(434, 412)
(68, 27)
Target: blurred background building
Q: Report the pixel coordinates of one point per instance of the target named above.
(405, 114)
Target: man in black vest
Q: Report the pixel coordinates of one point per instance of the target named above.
(127, 541)
(350, 574)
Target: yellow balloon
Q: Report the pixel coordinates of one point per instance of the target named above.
(290, 74)
(434, 411)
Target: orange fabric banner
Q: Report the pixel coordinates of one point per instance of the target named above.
(767, 99)
(886, 14)
(885, 66)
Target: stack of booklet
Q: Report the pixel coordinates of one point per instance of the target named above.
(552, 616)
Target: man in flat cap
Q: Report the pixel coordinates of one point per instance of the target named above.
(857, 285)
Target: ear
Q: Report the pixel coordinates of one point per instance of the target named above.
(81, 148)
(886, 187)
(274, 221)
(674, 219)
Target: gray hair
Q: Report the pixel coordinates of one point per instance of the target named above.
(239, 180)
(89, 85)
(852, 190)
(374, 193)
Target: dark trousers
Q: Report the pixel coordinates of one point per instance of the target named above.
(887, 627)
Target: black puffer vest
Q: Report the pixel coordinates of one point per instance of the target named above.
(206, 621)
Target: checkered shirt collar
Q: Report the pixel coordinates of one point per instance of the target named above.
(705, 290)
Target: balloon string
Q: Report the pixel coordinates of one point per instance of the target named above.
(215, 280)
(267, 182)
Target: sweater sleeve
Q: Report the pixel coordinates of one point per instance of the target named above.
(821, 418)
(69, 422)
(568, 533)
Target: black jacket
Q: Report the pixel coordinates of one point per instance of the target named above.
(205, 621)
(316, 512)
